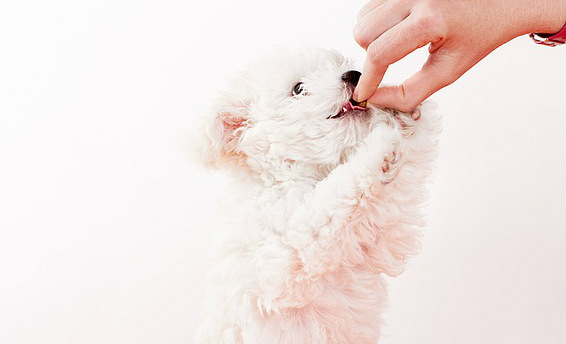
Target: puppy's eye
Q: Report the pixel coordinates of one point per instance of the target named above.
(297, 89)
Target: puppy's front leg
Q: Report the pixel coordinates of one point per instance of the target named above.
(319, 225)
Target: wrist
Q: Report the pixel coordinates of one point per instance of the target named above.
(550, 18)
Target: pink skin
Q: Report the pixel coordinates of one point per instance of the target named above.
(460, 33)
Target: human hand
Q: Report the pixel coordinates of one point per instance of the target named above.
(460, 33)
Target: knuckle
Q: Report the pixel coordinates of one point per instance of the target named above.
(375, 53)
(361, 13)
(360, 35)
(427, 22)
(433, 24)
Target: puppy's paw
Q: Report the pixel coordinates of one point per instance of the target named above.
(390, 166)
(408, 122)
(423, 121)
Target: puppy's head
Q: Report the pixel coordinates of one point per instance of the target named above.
(290, 116)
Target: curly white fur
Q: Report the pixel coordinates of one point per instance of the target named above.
(325, 207)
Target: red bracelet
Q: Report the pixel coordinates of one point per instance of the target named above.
(550, 40)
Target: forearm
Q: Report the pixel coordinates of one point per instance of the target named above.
(547, 16)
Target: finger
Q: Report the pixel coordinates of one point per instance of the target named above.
(390, 47)
(432, 77)
(369, 7)
(379, 20)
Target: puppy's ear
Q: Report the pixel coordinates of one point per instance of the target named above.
(224, 128)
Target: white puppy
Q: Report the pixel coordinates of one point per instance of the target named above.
(329, 199)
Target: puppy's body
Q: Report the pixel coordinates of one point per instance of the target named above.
(329, 202)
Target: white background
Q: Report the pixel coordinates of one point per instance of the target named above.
(103, 218)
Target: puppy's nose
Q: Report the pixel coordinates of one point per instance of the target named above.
(351, 77)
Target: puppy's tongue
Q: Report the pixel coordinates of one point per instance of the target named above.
(351, 105)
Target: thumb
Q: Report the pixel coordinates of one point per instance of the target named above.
(433, 76)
